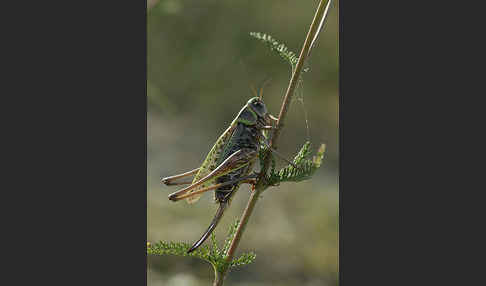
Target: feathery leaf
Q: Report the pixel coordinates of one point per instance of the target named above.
(210, 253)
(280, 48)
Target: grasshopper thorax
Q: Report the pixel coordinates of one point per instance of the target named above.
(253, 112)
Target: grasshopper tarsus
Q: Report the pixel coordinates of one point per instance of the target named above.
(167, 181)
(173, 197)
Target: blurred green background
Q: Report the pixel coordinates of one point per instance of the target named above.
(201, 64)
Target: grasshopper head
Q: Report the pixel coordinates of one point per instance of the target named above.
(254, 112)
(257, 105)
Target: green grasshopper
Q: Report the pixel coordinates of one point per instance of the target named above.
(229, 163)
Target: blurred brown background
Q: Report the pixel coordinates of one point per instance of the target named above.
(201, 63)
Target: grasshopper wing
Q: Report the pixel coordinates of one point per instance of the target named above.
(210, 163)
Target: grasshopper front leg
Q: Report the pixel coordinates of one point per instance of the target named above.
(268, 127)
(272, 117)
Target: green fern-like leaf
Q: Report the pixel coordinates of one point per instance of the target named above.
(180, 249)
(305, 167)
(245, 258)
(280, 48)
(210, 253)
(230, 236)
(214, 246)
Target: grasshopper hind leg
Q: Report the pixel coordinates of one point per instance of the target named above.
(170, 181)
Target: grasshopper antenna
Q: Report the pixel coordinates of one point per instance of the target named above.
(253, 90)
(261, 88)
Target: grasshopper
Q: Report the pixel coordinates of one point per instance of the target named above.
(229, 163)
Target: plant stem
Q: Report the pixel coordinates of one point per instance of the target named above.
(304, 53)
(218, 278)
(261, 184)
